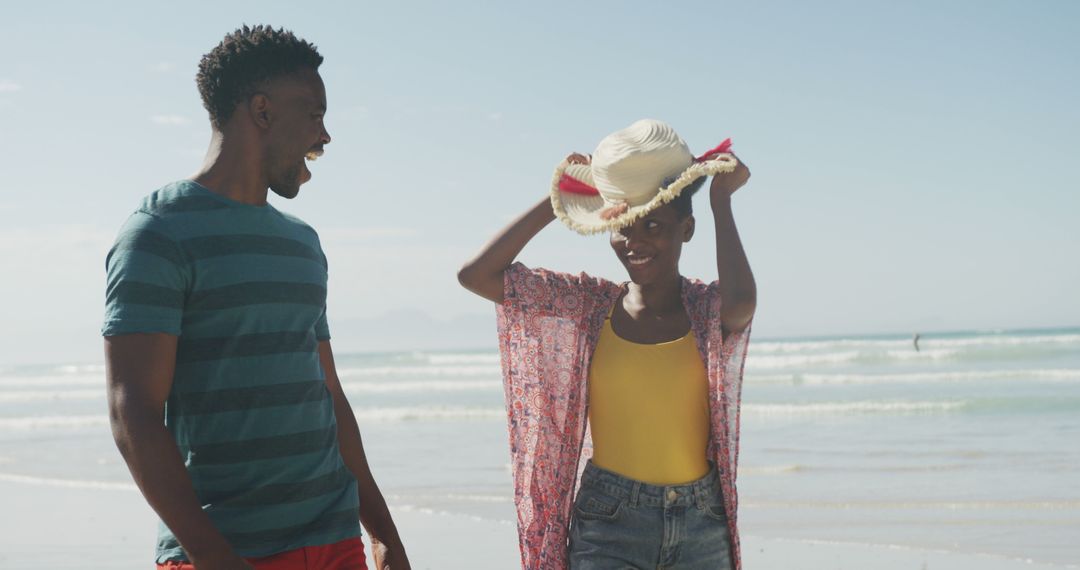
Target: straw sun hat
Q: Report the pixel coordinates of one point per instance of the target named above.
(632, 172)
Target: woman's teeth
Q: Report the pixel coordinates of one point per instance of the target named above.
(639, 260)
(313, 154)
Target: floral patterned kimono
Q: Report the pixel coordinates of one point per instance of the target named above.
(549, 324)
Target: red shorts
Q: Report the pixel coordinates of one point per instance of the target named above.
(345, 555)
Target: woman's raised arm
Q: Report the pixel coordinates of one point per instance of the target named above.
(483, 274)
(738, 291)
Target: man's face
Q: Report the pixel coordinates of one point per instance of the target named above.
(296, 130)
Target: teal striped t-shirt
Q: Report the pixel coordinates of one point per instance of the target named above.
(244, 289)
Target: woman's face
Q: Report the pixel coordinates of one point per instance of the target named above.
(650, 247)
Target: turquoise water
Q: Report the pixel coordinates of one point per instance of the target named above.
(970, 444)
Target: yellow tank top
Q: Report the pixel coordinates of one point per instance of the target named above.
(649, 409)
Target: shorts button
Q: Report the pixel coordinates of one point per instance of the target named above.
(672, 495)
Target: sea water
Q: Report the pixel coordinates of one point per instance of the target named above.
(970, 443)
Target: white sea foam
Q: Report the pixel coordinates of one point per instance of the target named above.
(860, 407)
(19, 381)
(925, 354)
(959, 354)
(53, 422)
(421, 413)
(443, 359)
(1009, 340)
(770, 469)
(1057, 375)
(755, 361)
(799, 346)
(424, 386)
(367, 387)
(418, 413)
(50, 395)
(481, 498)
(353, 372)
(1064, 375)
(67, 483)
(81, 369)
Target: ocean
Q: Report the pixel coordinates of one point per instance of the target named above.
(969, 444)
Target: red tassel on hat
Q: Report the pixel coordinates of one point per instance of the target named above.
(572, 185)
(722, 148)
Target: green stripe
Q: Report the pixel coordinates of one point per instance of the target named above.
(280, 493)
(263, 448)
(257, 344)
(257, 293)
(234, 399)
(221, 245)
(328, 522)
(202, 375)
(148, 241)
(187, 204)
(135, 293)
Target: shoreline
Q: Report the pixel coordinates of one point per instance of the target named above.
(111, 527)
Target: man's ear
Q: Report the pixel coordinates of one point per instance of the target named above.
(259, 110)
(688, 232)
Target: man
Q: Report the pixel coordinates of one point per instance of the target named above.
(223, 396)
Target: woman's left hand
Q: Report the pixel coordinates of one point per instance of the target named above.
(726, 183)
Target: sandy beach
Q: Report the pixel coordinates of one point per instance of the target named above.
(52, 523)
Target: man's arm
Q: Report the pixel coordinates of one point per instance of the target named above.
(139, 372)
(738, 291)
(387, 549)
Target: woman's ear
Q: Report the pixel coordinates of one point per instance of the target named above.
(688, 228)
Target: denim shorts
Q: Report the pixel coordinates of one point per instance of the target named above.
(623, 524)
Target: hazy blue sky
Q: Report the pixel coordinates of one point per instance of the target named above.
(915, 163)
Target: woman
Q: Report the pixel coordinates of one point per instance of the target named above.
(652, 368)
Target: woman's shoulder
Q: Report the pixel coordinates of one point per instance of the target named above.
(692, 286)
(521, 272)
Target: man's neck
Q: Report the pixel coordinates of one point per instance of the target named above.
(231, 171)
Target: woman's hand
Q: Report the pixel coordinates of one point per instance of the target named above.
(578, 158)
(726, 183)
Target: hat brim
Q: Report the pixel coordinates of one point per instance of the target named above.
(582, 212)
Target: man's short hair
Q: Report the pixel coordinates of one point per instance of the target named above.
(244, 61)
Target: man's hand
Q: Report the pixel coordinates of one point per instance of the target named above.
(726, 183)
(387, 558)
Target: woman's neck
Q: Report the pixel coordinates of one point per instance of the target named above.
(659, 298)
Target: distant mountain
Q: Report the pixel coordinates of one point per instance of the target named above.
(413, 330)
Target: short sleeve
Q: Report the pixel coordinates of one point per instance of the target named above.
(148, 278)
(322, 328)
(544, 292)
